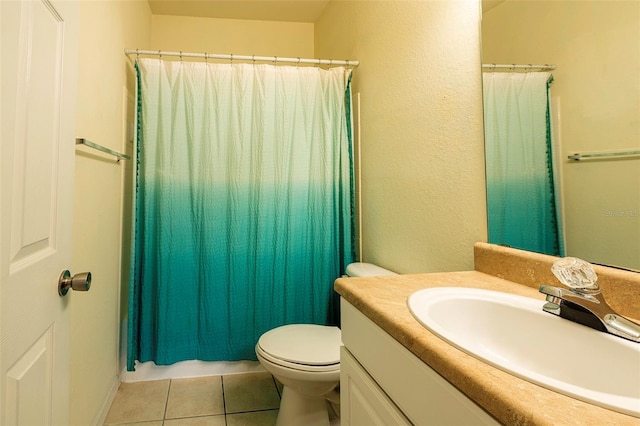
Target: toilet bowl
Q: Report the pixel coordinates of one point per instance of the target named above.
(305, 358)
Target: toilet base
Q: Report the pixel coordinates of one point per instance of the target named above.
(297, 409)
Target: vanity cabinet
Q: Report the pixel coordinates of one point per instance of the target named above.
(362, 402)
(382, 383)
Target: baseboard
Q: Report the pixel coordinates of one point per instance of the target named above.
(101, 416)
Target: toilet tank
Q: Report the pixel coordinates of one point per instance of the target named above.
(361, 269)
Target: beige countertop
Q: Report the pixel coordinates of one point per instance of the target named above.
(511, 400)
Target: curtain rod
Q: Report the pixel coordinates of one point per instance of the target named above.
(545, 67)
(232, 57)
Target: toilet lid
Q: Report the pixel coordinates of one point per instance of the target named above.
(305, 344)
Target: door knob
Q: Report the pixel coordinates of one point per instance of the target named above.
(79, 282)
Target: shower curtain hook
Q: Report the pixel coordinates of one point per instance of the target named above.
(231, 59)
(275, 60)
(181, 56)
(298, 64)
(137, 54)
(253, 59)
(160, 53)
(206, 57)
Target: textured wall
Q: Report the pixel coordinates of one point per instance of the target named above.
(240, 37)
(106, 29)
(423, 180)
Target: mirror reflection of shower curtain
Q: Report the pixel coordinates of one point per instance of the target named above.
(244, 205)
(521, 200)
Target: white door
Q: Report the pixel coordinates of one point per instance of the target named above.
(38, 92)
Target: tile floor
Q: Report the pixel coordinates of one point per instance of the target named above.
(232, 400)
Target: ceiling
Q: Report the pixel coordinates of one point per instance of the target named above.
(261, 10)
(490, 4)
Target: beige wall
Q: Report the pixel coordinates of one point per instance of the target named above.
(596, 48)
(241, 37)
(106, 29)
(423, 180)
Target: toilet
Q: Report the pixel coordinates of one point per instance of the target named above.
(305, 358)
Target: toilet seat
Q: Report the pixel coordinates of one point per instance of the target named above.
(306, 347)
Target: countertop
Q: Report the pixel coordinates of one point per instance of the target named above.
(511, 400)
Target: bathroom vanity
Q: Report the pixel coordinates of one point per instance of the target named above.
(382, 383)
(395, 371)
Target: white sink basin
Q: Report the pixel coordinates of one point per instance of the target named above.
(513, 333)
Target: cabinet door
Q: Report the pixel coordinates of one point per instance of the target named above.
(362, 402)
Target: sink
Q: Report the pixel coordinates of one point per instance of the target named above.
(513, 334)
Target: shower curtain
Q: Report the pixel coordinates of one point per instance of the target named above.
(243, 209)
(521, 200)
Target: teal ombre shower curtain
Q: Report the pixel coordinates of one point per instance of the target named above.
(243, 210)
(521, 200)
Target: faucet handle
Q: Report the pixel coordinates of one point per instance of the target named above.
(575, 273)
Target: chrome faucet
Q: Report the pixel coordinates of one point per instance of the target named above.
(583, 301)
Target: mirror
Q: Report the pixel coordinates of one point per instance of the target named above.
(595, 109)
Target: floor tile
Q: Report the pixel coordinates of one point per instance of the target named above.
(250, 392)
(199, 396)
(254, 418)
(197, 421)
(138, 402)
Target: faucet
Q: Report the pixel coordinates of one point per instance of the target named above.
(583, 301)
